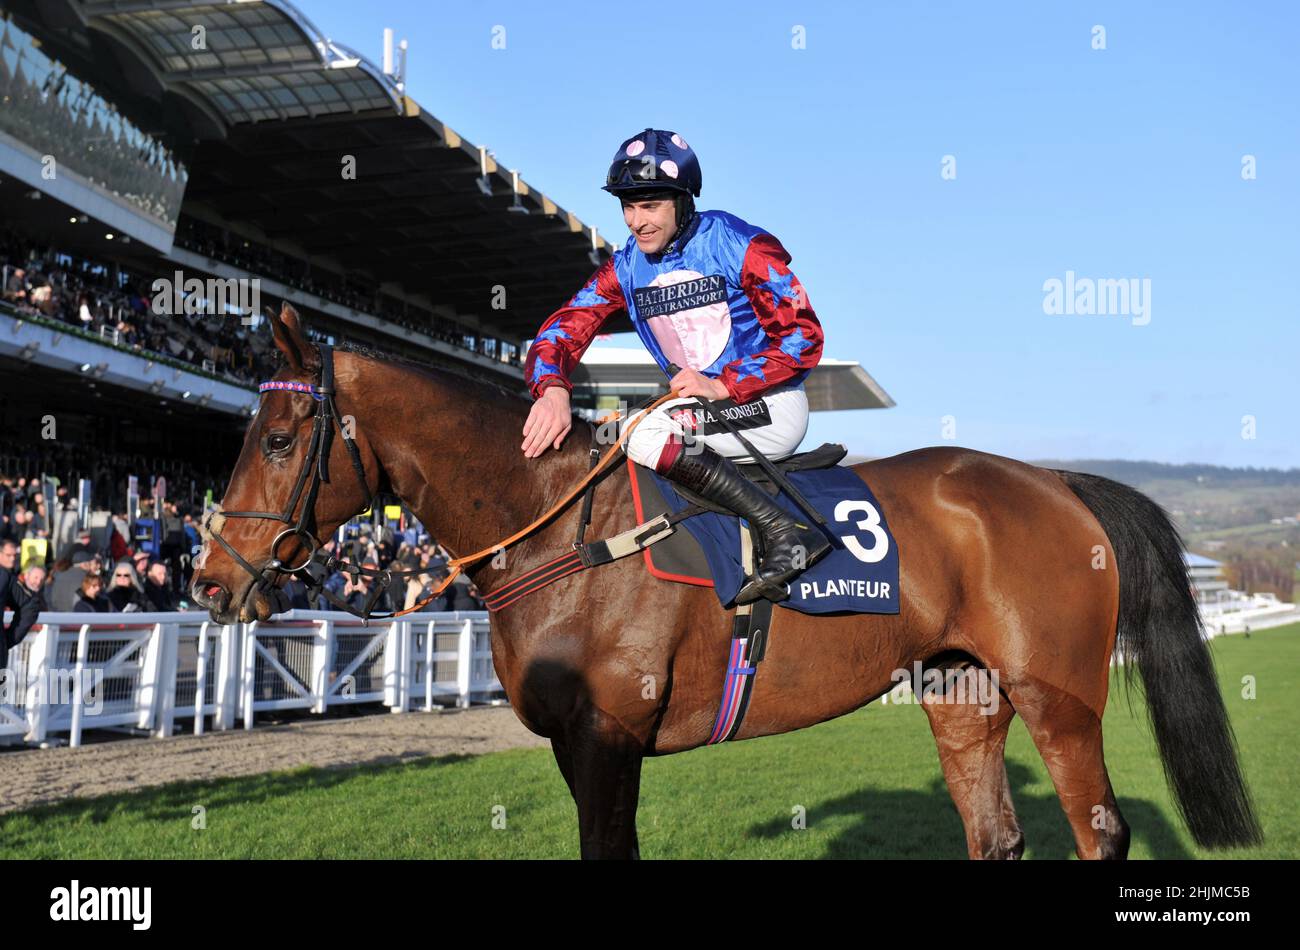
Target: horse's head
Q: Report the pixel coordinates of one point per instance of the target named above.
(271, 518)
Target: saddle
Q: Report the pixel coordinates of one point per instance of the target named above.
(824, 456)
(679, 557)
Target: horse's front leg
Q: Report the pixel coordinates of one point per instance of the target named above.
(604, 774)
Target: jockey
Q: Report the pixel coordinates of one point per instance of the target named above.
(713, 295)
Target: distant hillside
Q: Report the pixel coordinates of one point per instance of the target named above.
(1207, 500)
(1248, 518)
(1136, 473)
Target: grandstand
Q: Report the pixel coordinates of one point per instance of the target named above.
(161, 190)
(157, 196)
(196, 178)
(223, 164)
(1224, 610)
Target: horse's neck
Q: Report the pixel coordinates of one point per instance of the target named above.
(464, 475)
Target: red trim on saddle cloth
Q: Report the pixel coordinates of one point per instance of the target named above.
(649, 564)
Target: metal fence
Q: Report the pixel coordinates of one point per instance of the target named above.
(164, 671)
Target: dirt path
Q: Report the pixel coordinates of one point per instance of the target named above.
(35, 776)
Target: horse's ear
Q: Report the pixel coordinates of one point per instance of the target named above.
(290, 340)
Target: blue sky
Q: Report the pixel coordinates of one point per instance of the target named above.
(1122, 163)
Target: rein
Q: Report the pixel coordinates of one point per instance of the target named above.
(318, 564)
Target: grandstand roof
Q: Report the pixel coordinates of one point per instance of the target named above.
(257, 61)
(265, 113)
(415, 217)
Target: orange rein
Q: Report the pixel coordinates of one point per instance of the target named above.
(455, 563)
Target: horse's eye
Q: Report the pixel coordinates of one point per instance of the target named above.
(278, 443)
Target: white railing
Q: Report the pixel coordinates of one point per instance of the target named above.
(1254, 612)
(78, 671)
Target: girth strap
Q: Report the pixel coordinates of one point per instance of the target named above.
(583, 556)
(749, 633)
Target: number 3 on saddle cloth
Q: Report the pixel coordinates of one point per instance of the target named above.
(860, 575)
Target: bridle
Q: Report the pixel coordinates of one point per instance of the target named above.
(318, 563)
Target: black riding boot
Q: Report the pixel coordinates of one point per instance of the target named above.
(789, 546)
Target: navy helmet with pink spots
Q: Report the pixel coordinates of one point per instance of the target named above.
(654, 161)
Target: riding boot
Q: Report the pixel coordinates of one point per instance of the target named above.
(789, 546)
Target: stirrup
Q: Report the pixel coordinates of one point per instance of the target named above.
(756, 589)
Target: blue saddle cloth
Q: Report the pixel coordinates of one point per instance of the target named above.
(859, 575)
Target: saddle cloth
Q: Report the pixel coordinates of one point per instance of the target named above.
(859, 575)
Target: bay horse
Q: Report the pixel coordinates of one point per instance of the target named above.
(1039, 575)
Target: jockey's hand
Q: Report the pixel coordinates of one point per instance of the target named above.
(689, 382)
(549, 421)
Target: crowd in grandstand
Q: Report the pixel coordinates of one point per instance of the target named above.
(220, 245)
(116, 305)
(144, 563)
(55, 113)
(118, 309)
(69, 461)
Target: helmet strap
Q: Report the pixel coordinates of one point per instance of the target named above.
(685, 205)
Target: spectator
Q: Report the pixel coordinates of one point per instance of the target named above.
(295, 591)
(13, 595)
(83, 542)
(34, 578)
(463, 594)
(172, 544)
(33, 582)
(157, 590)
(420, 586)
(90, 597)
(193, 545)
(38, 524)
(68, 577)
(17, 288)
(385, 551)
(20, 523)
(7, 504)
(125, 592)
(337, 580)
(359, 593)
(119, 529)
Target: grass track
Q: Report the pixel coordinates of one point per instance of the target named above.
(870, 784)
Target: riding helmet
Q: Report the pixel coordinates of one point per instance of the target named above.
(654, 160)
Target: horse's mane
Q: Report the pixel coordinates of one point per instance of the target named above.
(440, 372)
(445, 373)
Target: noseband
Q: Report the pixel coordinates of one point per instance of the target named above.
(317, 564)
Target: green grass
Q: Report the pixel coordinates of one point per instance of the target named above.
(870, 784)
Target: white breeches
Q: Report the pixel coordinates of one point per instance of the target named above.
(674, 423)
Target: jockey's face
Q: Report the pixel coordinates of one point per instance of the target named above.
(653, 222)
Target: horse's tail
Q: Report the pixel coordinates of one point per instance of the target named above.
(1160, 632)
